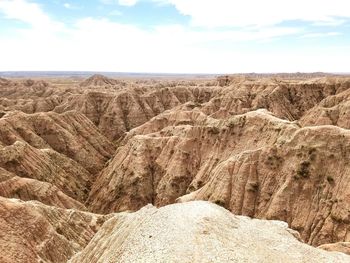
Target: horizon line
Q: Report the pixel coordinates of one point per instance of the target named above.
(10, 73)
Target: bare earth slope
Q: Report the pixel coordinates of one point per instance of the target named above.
(32, 232)
(65, 151)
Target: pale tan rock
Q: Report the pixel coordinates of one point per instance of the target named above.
(197, 232)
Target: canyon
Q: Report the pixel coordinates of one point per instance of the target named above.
(238, 168)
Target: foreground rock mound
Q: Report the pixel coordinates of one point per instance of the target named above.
(198, 232)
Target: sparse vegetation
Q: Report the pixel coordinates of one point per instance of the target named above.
(253, 187)
(330, 179)
(304, 170)
(200, 184)
(214, 130)
(231, 124)
(274, 161)
(220, 203)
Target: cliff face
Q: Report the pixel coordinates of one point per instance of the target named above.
(159, 167)
(32, 232)
(253, 164)
(267, 148)
(65, 151)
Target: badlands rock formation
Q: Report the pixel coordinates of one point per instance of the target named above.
(253, 164)
(120, 110)
(272, 148)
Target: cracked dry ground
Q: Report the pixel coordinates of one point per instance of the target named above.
(79, 161)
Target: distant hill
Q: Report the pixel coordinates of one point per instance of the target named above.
(84, 74)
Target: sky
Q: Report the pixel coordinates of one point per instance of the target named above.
(175, 36)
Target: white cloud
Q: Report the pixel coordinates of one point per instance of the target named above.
(178, 33)
(326, 34)
(71, 6)
(115, 13)
(120, 2)
(128, 2)
(28, 12)
(67, 5)
(101, 45)
(107, 2)
(216, 13)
